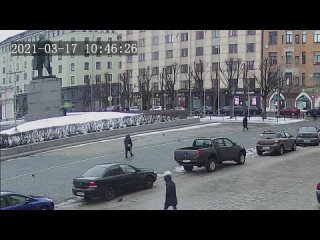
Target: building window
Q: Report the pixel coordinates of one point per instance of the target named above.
(98, 65)
(130, 73)
(120, 65)
(25, 64)
(216, 49)
(316, 36)
(288, 57)
(60, 69)
(232, 33)
(288, 79)
(199, 35)
(215, 66)
(72, 67)
(250, 65)
(215, 33)
(155, 55)
(86, 79)
(129, 32)
(98, 78)
(297, 38)
(119, 37)
(304, 36)
(184, 84)
(169, 54)
(199, 51)
(289, 37)
(25, 76)
(303, 58)
(296, 81)
(86, 66)
(199, 67)
(60, 56)
(303, 79)
(3, 80)
(141, 57)
(109, 65)
(184, 52)
(155, 71)
(251, 32)
(316, 79)
(296, 60)
(109, 77)
(233, 48)
(155, 40)
(184, 37)
(169, 38)
(10, 78)
(72, 81)
(316, 58)
(184, 68)
(141, 42)
(17, 78)
(129, 59)
(168, 69)
(3, 70)
(251, 47)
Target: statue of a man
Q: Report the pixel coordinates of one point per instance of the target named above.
(41, 58)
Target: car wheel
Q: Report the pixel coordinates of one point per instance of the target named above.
(259, 153)
(148, 182)
(188, 168)
(109, 193)
(44, 208)
(241, 158)
(281, 150)
(294, 147)
(211, 165)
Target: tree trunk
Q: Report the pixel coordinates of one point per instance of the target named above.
(264, 109)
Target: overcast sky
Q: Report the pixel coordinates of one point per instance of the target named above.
(4, 34)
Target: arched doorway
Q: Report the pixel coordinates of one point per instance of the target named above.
(273, 101)
(303, 101)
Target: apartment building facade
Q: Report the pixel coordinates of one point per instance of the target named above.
(81, 74)
(159, 49)
(298, 51)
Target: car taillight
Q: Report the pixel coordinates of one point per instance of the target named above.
(318, 186)
(276, 140)
(198, 153)
(92, 184)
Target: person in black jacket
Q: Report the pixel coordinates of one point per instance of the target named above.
(245, 123)
(171, 196)
(128, 145)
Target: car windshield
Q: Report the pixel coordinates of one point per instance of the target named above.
(308, 129)
(96, 171)
(268, 135)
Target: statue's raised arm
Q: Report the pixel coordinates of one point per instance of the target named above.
(41, 58)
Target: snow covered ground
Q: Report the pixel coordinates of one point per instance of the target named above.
(269, 120)
(71, 118)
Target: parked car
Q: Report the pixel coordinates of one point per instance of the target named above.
(225, 110)
(107, 180)
(134, 109)
(156, 108)
(313, 112)
(15, 201)
(179, 108)
(196, 111)
(293, 111)
(209, 110)
(275, 141)
(308, 135)
(318, 192)
(208, 152)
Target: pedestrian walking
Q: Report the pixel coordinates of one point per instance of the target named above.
(128, 145)
(171, 196)
(245, 123)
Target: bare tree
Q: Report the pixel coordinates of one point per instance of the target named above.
(86, 96)
(246, 88)
(171, 75)
(126, 90)
(230, 75)
(190, 86)
(198, 75)
(145, 86)
(162, 78)
(98, 91)
(271, 78)
(215, 81)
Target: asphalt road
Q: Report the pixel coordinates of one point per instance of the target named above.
(53, 171)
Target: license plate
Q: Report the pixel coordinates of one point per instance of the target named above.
(80, 193)
(306, 140)
(265, 148)
(186, 161)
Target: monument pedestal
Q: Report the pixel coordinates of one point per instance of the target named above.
(44, 98)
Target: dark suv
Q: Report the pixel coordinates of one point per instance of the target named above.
(313, 112)
(275, 141)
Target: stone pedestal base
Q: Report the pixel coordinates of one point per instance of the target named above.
(44, 98)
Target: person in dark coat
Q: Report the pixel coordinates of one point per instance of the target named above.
(171, 196)
(128, 145)
(245, 123)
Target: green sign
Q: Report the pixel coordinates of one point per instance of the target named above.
(67, 105)
(311, 90)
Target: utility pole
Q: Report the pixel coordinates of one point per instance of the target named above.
(248, 98)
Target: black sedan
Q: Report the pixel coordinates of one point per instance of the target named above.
(106, 180)
(308, 135)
